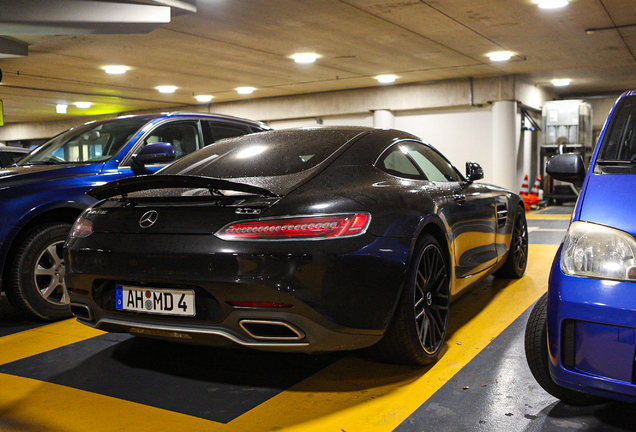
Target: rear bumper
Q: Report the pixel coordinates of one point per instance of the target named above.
(341, 294)
(592, 334)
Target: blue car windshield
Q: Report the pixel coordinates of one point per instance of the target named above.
(92, 143)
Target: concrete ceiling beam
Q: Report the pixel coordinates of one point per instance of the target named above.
(29, 17)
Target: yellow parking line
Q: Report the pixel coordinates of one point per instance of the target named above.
(548, 216)
(353, 394)
(41, 339)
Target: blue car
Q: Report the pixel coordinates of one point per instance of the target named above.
(45, 192)
(580, 338)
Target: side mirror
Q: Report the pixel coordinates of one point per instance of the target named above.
(474, 172)
(568, 167)
(153, 153)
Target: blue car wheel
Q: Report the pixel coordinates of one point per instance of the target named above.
(536, 346)
(36, 282)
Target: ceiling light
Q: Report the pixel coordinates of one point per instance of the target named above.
(61, 108)
(83, 104)
(561, 82)
(203, 98)
(552, 4)
(498, 56)
(385, 79)
(115, 70)
(245, 90)
(166, 89)
(305, 57)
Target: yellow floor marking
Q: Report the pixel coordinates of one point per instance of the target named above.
(41, 339)
(353, 394)
(534, 216)
(28, 405)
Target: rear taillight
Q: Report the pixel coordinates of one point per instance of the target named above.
(297, 228)
(82, 228)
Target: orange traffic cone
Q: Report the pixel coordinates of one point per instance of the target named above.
(534, 194)
(524, 186)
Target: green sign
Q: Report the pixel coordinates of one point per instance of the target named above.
(1, 114)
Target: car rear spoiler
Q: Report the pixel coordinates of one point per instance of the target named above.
(165, 181)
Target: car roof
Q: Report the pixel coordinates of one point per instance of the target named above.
(14, 149)
(199, 115)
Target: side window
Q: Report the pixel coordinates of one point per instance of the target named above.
(395, 162)
(432, 164)
(220, 131)
(14, 156)
(184, 137)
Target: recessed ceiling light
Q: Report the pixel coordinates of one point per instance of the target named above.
(561, 82)
(166, 89)
(115, 70)
(305, 57)
(385, 79)
(83, 104)
(61, 108)
(552, 4)
(245, 90)
(498, 56)
(203, 98)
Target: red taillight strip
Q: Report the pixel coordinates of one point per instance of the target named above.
(297, 228)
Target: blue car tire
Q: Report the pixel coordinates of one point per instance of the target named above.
(37, 274)
(536, 347)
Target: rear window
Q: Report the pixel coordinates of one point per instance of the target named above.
(263, 155)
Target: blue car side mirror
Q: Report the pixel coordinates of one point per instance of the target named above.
(568, 167)
(153, 153)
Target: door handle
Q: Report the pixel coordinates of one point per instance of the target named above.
(460, 198)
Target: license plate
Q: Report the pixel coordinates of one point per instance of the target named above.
(155, 300)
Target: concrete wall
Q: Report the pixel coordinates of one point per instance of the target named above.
(455, 116)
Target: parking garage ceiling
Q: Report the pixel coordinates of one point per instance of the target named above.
(212, 47)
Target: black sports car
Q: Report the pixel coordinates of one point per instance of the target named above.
(305, 240)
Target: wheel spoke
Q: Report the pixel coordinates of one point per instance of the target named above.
(41, 271)
(49, 289)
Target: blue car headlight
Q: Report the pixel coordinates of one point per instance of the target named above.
(596, 251)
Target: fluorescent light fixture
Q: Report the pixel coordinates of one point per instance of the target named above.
(61, 108)
(552, 4)
(166, 89)
(305, 57)
(498, 56)
(386, 79)
(115, 69)
(83, 104)
(203, 98)
(561, 82)
(245, 90)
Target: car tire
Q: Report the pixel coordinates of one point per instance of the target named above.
(417, 332)
(36, 280)
(517, 259)
(536, 347)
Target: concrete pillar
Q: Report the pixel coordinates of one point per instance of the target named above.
(504, 144)
(383, 119)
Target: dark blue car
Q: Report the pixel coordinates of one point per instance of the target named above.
(45, 192)
(581, 335)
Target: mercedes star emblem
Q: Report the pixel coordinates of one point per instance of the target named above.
(148, 219)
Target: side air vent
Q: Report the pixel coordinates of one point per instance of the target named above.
(502, 215)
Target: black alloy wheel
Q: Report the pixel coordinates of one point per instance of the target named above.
(517, 260)
(418, 330)
(431, 299)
